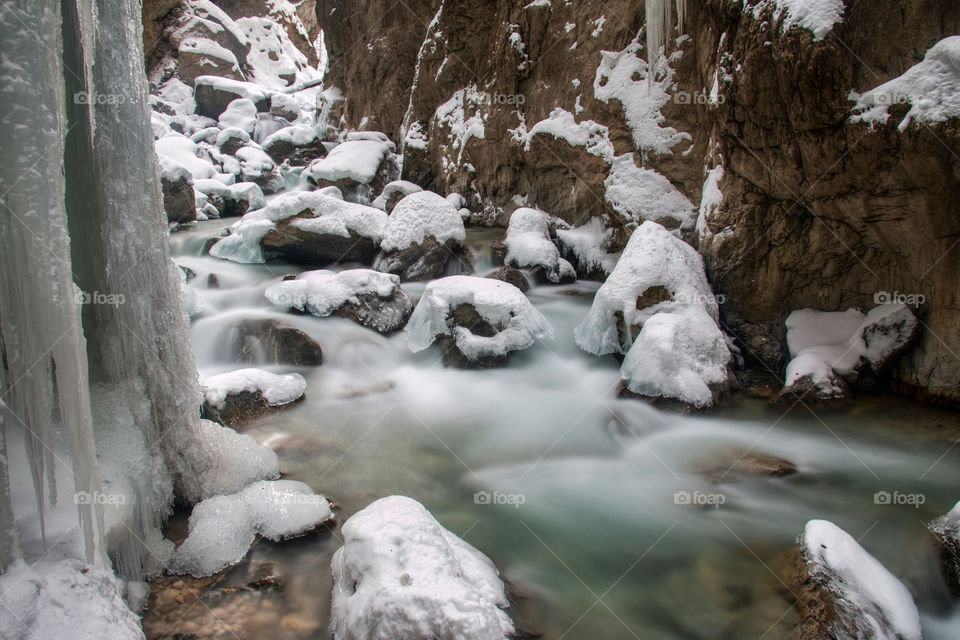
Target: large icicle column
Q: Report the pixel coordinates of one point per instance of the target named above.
(660, 24)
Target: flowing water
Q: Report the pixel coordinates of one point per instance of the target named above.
(598, 511)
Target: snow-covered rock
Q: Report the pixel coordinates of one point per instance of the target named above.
(64, 599)
(256, 166)
(478, 321)
(393, 193)
(222, 528)
(306, 227)
(198, 56)
(213, 94)
(529, 246)
(818, 16)
(423, 234)
(227, 462)
(274, 61)
(846, 593)
(299, 144)
(400, 574)
(931, 87)
(588, 248)
(946, 530)
(231, 200)
(831, 350)
(240, 395)
(639, 194)
(372, 298)
(183, 151)
(359, 168)
(176, 184)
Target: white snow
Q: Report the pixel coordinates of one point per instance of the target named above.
(643, 194)
(589, 244)
(276, 389)
(641, 100)
(356, 160)
(229, 461)
(877, 597)
(652, 257)
(185, 152)
(678, 354)
(230, 132)
(499, 303)
(247, 90)
(709, 201)
(240, 114)
(819, 16)
(64, 599)
(452, 117)
(418, 216)
(400, 574)
(561, 124)
(274, 61)
(393, 188)
(932, 87)
(322, 292)
(330, 216)
(828, 344)
(222, 528)
(298, 135)
(209, 49)
(529, 244)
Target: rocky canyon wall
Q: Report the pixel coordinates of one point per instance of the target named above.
(816, 210)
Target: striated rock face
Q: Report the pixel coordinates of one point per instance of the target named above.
(812, 210)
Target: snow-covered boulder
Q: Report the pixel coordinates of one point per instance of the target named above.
(401, 574)
(393, 193)
(305, 227)
(832, 350)
(477, 321)
(424, 234)
(230, 139)
(589, 248)
(244, 394)
(185, 152)
(213, 94)
(202, 56)
(231, 200)
(680, 359)
(222, 528)
(359, 168)
(529, 246)
(299, 144)
(257, 167)
(369, 297)
(846, 594)
(946, 530)
(176, 184)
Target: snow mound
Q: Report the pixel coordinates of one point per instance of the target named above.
(643, 194)
(245, 90)
(396, 190)
(501, 305)
(276, 389)
(322, 293)
(327, 216)
(869, 598)
(222, 528)
(932, 87)
(529, 245)
(356, 160)
(418, 216)
(826, 346)
(400, 574)
(186, 153)
(654, 260)
(819, 16)
(64, 599)
(274, 60)
(679, 354)
(594, 137)
(229, 461)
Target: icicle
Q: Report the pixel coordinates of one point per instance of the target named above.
(659, 28)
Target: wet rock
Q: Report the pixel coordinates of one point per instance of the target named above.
(427, 260)
(466, 316)
(734, 465)
(240, 408)
(299, 145)
(269, 341)
(512, 276)
(213, 95)
(393, 193)
(320, 249)
(179, 201)
(498, 252)
(196, 57)
(946, 532)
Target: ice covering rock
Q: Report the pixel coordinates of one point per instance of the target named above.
(639, 194)
(588, 248)
(222, 528)
(529, 245)
(372, 298)
(830, 349)
(946, 530)
(418, 216)
(309, 226)
(64, 599)
(847, 592)
(400, 574)
(932, 87)
(515, 323)
(230, 461)
(186, 153)
(657, 272)
(394, 192)
(276, 389)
